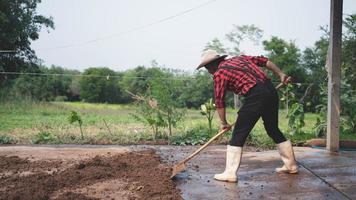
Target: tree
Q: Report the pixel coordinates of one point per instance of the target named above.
(32, 88)
(59, 84)
(48, 85)
(285, 55)
(19, 26)
(348, 81)
(240, 34)
(217, 45)
(348, 76)
(164, 89)
(314, 60)
(237, 35)
(349, 51)
(97, 86)
(137, 80)
(197, 90)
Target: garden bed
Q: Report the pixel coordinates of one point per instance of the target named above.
(128, 175)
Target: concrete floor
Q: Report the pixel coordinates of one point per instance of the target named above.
(322, 175)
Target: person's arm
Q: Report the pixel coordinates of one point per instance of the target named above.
(219, 92)
(271, 66)
(222, 115)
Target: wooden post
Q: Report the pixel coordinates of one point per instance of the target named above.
(334, 70)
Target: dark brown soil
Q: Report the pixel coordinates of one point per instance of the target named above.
(14, 164)
(142, 173)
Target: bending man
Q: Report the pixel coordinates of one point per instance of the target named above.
(242, 75)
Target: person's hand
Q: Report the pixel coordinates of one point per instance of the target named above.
(225, 126)
(284, 78)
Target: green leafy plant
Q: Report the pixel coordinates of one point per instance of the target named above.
(164, 89)
(5, 139)
(348, 113)
(74, 117)
(296, 118)
(195, 136)
(43, 138)
(208, 110)
(146, 111)
(260, 139)
(287, 96)
(319, 128)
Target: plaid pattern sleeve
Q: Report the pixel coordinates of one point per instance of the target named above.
(258, 60)
(220, 86)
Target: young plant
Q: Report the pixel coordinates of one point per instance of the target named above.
(74, 117)
(147, 112)
(43, 137)
(208, 110)
(288, 96)
(296, 118)
(164, 90)
(195, 136)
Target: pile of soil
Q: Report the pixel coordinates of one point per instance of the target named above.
(132, 175)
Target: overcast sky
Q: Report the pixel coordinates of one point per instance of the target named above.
(122, 34)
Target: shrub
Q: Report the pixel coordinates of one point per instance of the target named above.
(98, 86)
(60, 98)
(259, 139)
(296, 118)
(5, 139)
(43, 138)
(195, 136)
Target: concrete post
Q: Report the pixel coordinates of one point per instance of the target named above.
(334, 70)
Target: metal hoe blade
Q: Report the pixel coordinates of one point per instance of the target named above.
(178, 168)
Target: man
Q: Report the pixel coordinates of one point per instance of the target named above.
(242, 75)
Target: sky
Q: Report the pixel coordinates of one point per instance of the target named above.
(124, 34)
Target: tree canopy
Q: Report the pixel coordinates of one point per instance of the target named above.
(20, 24)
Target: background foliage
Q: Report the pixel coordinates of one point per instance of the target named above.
(174, 90)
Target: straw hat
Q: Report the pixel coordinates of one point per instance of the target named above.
(209, 56)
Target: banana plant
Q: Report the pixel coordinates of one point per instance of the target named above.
(208, 110)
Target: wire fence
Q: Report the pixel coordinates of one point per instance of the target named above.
(109, 76)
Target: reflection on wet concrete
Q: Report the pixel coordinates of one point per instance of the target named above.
(336, 175)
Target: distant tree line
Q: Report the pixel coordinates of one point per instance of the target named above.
(103, 85)
(20, 25)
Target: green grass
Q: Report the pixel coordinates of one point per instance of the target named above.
(48, 123)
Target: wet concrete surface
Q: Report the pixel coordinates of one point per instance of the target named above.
(322, 175)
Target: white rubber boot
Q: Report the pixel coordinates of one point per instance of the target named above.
(287, 154)
(233, 158)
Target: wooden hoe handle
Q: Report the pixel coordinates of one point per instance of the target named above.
(281, 84)
(206, 144)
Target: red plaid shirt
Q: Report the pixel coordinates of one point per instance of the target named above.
(238, 74)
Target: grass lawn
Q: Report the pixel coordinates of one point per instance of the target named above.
(48, 123)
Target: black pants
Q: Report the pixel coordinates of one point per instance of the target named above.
(261, 101)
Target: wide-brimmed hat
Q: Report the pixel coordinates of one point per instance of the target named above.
(209, 56)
